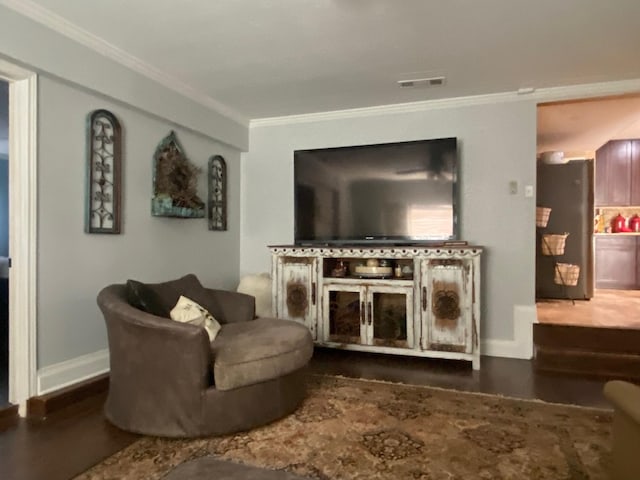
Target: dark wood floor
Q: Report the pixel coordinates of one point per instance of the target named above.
(72, 440)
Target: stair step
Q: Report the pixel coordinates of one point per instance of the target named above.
(593, 339)
(598, 364)
(8, 415)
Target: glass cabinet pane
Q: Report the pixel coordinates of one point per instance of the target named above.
(344, 316)
(390, 319)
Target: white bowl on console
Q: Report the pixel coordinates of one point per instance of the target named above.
(376, 271)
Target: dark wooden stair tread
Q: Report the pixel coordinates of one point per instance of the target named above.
(599, 352)
(597, 339)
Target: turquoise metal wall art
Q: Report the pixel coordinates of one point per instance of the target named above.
(103, 184)
(175, 182)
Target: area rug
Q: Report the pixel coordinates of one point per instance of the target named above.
(360, 429)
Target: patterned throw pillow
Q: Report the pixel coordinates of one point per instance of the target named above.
(188, 311)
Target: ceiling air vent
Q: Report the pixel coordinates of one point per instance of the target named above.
(422, 82)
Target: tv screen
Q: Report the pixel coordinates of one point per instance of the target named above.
(388, 193)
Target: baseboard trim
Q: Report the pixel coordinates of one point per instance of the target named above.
(43, 405)
(70, 372)
(524, 316)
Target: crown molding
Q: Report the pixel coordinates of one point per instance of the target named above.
(388, 109)
(55, 22)
(552, 94)
(586, 90)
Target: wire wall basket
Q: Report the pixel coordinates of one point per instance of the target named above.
(553, 243)
(566, 274)
(542, 216)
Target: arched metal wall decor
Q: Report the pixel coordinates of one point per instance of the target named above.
(175, 182)
(217, 201)
(104, 158)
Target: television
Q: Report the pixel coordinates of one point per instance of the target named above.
(395, 193)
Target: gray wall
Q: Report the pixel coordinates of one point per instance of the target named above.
(497, 143)
(72, 265)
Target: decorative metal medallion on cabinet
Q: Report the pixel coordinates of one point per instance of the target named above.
(175, 182)
(103, 186)
(217, 193)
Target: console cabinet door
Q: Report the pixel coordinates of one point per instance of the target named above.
(296, 295)
(344, 316)
(446, 304)
(390, 316)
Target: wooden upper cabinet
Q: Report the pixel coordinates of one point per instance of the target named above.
(601, 175)
(619, 177)
(634, 146)
(617, 173)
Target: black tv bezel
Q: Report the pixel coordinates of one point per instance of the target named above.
(383, 239)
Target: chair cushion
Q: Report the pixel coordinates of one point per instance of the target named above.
(162, 297)
(251, 352)
(142, 297)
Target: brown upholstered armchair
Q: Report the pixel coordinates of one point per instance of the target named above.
(626, 429)
(167, 379)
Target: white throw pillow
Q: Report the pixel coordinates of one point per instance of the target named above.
(188, 311)
(258, 285)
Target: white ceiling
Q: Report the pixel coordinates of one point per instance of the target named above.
(264, 58)
(580, 128)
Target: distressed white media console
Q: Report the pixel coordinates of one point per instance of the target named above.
(413, 300)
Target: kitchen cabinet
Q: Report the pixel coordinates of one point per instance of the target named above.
(617, 170)
(617, 262)
(634, 152)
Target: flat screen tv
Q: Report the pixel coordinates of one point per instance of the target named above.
(397, 193)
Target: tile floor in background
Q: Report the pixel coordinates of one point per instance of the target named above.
(607, 308)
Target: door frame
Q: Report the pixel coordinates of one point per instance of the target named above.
(23, 109)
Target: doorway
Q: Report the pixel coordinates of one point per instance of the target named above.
(22, 177)
(4, 243)
(597, 130)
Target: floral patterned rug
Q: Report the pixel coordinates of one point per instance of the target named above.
(361, 429)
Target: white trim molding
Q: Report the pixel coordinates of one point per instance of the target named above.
(23, 105)
(543, 95)
(72, 371)
(388, 109)
(524, 316)
(587, 90)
